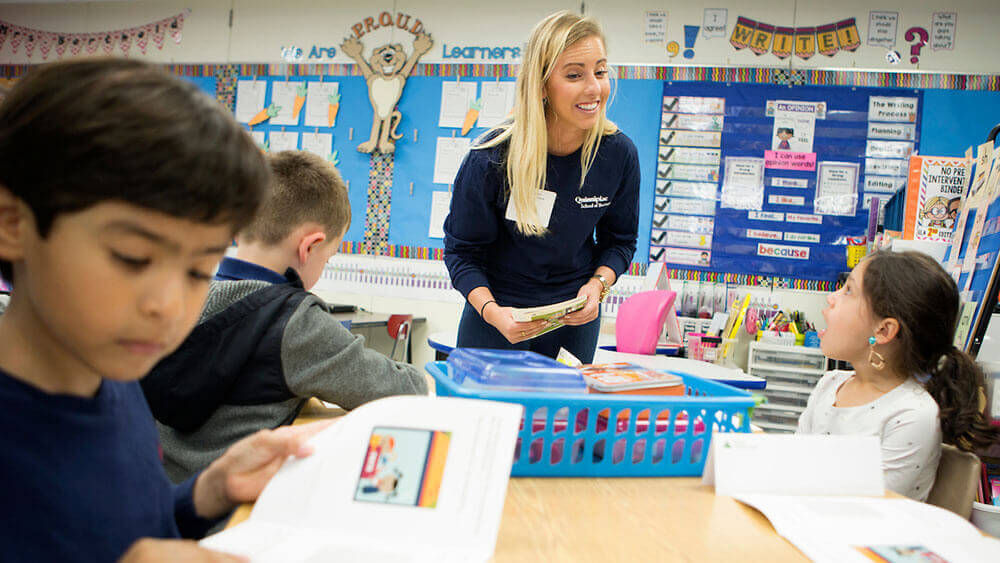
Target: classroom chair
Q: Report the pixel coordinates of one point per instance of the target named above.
(399, 331)
(640, 321)
(957, 478)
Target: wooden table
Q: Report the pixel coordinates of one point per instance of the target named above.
(625, 519)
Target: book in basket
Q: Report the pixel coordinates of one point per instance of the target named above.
(551, 313)
(404, 478)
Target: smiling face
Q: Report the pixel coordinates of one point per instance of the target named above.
(576, 91)
(387, 60)
(114, 288)
(849, 320)
(936, 212)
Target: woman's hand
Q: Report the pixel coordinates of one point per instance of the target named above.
(154, 550)
(502, 318)
(241, 473)
(592, 290)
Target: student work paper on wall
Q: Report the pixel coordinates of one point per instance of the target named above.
(250, 95)
(260, 138)
(283, 97)
(318, 143)
(284, 141)
(448, 158)
(440, 205)
(497, 102)
(318, 102)
(456, 97)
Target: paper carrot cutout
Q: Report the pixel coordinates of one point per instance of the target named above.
(471, 116)
(265, 114)
(300, 100)
(333, 158)
(331, 112)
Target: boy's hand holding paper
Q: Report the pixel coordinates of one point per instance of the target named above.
(393, 480)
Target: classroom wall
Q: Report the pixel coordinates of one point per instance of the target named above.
(261, 29)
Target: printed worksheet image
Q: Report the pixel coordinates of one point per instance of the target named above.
(403, 466)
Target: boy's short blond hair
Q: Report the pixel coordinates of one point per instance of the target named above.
(304, 188)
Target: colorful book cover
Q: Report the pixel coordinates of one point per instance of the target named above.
(900, 554)
(403, 466)
(621, 376)
(933, 196)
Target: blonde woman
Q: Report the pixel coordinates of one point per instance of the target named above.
(545, 208)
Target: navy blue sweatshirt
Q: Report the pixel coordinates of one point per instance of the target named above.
(82, 477)
(592, 226)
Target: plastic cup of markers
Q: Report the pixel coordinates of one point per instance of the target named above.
(856, 250)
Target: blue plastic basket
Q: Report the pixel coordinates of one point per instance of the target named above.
(572, 435)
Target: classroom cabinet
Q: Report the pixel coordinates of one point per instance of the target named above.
(791, 373)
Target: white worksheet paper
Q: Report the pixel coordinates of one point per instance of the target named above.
(318, 103)
(497, 103)
(448, 158)
(455, 100)
(250, 95)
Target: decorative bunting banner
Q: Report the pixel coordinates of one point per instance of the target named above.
(13, 36)
(826, 39)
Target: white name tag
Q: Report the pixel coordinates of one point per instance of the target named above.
(544, 202)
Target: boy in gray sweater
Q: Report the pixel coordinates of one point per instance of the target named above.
(264, 345)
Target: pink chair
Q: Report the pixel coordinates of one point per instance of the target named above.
(640, 321)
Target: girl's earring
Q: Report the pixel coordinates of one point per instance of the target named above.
(875, 359)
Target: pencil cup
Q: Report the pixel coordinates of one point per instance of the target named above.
(694, 346)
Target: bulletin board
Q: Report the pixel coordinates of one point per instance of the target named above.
(397, 217)
(767, 179)
(392, 197)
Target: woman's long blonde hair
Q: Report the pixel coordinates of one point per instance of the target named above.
(527, 153)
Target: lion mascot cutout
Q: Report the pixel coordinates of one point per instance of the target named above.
(385, 72)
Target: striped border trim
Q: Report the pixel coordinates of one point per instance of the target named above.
(921, 80)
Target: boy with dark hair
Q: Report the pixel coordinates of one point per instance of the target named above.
(264, 344)
(120, 189)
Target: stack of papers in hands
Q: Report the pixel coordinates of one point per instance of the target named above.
(824, 494)
(398, 479)
(551, 313)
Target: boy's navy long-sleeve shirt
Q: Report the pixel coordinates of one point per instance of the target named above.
(590, 226)
(83, 477)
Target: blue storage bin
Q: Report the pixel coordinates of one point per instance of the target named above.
(571, 435)
(512, 370)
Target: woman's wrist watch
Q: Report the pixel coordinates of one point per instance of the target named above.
(605, 287)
